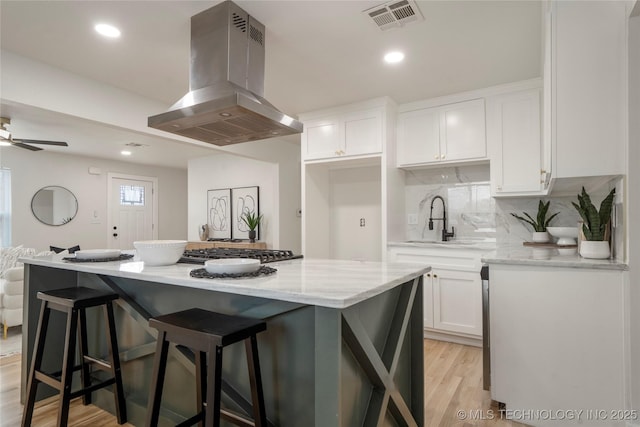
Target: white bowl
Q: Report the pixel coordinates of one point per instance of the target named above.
(160, 252)
(566, 235)
(97, 253)
(232, 265)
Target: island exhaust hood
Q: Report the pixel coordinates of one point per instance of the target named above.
(225, 103)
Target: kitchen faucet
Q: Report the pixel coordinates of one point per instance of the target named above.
(445, 233)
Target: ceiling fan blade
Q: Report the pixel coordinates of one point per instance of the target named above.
(37, 141)
(28, 147)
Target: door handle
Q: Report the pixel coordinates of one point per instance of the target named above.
(115, 234)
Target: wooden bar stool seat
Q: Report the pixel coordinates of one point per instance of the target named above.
(74, 302)
(207, 333)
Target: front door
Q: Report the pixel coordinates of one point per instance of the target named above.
(132, 211)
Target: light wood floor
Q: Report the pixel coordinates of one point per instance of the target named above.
(453, 386)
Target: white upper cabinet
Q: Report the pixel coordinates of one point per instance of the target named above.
(447, 133)
(462, 131)
(419, 136)
(321, 138)
(363, 132)
(588, 86)
(343, 134)
(517, 150)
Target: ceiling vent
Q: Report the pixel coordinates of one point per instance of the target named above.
(394, 14)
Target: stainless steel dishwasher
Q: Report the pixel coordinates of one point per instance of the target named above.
(486, 350)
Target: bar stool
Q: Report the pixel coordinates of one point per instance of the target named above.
(74, 302)
(207, 333)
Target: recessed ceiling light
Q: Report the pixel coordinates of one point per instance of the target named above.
(107, 30)
(125, 153)
(393, 57)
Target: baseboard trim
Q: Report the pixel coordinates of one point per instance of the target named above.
(440, 336)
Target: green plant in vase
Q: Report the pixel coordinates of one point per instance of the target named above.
(253, 221)
(595, 224)
(540, 223)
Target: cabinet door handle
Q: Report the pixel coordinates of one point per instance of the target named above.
(442, 156)
(435, 276)
(499, 187)
(436, 157)
(428, 274)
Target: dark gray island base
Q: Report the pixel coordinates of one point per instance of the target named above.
(351, 364)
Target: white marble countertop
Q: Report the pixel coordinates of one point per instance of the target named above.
(548, 257)
(327, 283)
(483, 245)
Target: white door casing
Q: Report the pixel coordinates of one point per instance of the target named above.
(132, 210)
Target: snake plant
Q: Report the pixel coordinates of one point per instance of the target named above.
(251, 219)
(595, 222)
(541, 222)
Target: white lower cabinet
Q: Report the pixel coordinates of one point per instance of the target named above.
(457, 301)
(452, 291)
(558, 342)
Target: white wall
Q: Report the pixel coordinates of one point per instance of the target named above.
(37, 84)
(355, 195)
(286, 155)
(277, 173)
(634, 204)
(33, 83)
(31, 171)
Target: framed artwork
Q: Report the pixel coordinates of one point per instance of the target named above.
(244, 200)
(219, 213)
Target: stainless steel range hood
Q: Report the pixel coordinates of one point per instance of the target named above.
(225, 103)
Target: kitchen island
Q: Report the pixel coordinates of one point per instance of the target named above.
(343, 345)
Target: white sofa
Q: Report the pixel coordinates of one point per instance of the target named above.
(11, 286)
(11, 290)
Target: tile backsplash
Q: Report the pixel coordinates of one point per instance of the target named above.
(472, 210)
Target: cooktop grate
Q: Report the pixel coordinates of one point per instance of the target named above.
(199, 256)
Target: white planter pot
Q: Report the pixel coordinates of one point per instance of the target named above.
(540, 236)
(595, 249)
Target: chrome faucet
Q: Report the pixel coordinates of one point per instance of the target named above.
(445, 233)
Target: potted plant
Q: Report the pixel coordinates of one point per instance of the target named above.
(539, 224)
(253, 221)
(595, 225)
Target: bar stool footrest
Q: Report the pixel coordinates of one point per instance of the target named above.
(93, 388)
(49, 380)
(191, 421)
(236, 419)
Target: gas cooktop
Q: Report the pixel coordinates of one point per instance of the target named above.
(199, 256)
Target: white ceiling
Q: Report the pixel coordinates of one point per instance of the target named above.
(318, 54)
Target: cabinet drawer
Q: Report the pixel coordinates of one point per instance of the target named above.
(448, 258)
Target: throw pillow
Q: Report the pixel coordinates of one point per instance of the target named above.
(9, 257)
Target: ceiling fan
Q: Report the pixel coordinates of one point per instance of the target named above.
(5, 136)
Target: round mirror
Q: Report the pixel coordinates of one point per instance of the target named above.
(54, 205)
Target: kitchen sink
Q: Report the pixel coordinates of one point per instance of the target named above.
(448, 242)
(453, 242)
